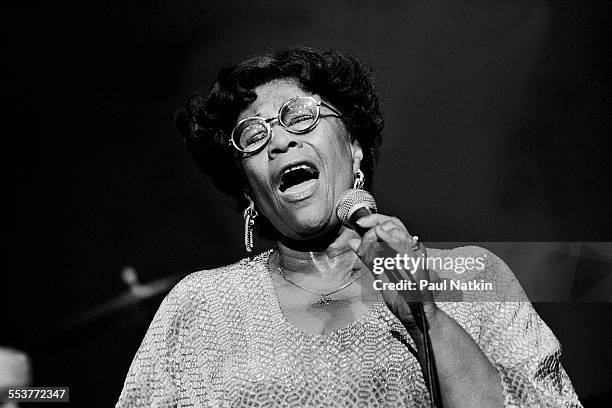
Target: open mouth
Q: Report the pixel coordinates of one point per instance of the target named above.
(295, 176)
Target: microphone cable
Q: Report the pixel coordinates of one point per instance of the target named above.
(433, 383)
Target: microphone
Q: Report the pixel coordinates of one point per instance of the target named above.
(354, 204)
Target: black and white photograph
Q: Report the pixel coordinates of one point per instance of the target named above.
(307, 204)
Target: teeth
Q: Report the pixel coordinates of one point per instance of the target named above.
(288, 179)
(300, 166)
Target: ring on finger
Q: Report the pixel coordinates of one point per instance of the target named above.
(415, 243)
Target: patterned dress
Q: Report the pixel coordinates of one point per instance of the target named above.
(220, 339)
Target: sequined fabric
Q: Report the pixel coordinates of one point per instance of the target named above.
(219, 339)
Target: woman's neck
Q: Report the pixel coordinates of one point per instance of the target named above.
(326, 258)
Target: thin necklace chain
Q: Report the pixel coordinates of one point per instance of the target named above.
(324, 298)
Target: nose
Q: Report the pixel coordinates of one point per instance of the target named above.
(281, 141)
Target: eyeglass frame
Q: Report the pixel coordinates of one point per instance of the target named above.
(268, 127)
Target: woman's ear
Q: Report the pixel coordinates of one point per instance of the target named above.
(357, 154)
(249, 200)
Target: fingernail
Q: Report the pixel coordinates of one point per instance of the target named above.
(361, 221)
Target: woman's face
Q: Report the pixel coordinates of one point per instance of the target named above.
(296, 180)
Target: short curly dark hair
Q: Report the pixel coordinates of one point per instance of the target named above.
(205, 123)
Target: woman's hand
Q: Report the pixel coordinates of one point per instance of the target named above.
(388, 237)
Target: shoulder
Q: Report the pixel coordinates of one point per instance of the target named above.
(466, 261)
(200, 309)
(477, 265)
(215, 286)
(471, 251)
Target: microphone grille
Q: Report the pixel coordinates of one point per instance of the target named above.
(351, 200)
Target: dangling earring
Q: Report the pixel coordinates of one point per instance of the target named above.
(359, 179)
(249, 215)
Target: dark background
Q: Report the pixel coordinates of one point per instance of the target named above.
(497, 130)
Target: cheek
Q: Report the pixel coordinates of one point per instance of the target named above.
(256, 172)
(252, 178)
(340, 161)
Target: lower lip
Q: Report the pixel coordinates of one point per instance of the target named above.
(302, 191)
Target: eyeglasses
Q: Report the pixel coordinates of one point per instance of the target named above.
(298, 115)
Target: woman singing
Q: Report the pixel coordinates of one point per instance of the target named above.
(306, 324)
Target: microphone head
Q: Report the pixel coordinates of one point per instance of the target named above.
(351, 201)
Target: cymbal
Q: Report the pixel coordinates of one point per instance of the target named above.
(136, 293)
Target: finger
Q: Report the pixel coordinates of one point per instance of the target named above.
(400, 242)
(372, 220)
(384, 234)
(354, 244)
(368, 242)
(422, 272)
(387, 225)
(396, 238)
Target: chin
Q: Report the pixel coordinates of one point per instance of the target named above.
(310, 225)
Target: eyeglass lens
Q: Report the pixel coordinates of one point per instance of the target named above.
(297, 116)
